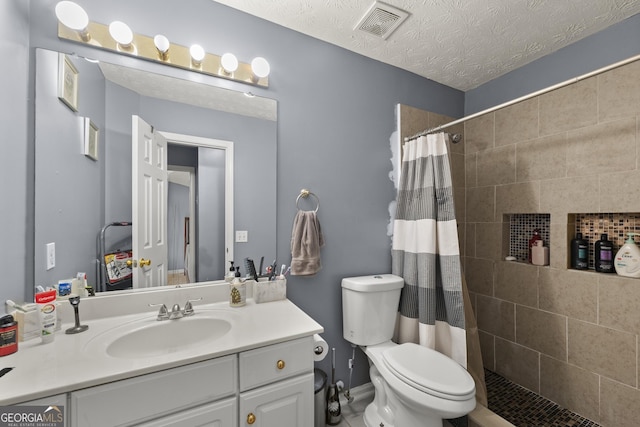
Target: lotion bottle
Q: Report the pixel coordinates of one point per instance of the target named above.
(539, 254)
(627, 262)
(603, 255)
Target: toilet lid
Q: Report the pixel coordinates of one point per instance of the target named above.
(429, 371)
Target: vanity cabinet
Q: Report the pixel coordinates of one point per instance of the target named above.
(269, 386)
(276, 385)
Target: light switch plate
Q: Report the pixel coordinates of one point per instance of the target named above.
(242, 236)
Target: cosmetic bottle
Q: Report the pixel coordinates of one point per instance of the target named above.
(579, 253)
(627, 261)
(539, 254)
(603, 255)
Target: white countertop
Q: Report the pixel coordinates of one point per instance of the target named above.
(71, 362)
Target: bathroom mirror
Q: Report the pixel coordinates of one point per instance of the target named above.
(83, 180)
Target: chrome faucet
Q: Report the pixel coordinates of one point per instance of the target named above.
(175, 313)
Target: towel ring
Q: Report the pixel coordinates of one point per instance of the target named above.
(304, 193)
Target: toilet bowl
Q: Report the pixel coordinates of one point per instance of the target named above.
(414, 385)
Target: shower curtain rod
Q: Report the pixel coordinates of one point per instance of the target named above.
(525, 97)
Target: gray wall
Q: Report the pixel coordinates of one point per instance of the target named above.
(336, 115)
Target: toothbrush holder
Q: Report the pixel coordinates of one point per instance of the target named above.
(270, 290)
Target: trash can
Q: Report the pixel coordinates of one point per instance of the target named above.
(319, 397)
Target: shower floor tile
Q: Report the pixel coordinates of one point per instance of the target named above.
(524, 408)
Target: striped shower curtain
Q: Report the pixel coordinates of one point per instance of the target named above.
(425, 251)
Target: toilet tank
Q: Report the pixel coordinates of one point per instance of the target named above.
(370, 307)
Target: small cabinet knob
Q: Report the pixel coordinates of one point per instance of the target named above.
(280, 364)
(251, 419)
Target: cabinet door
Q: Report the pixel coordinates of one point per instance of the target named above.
(287, 403)
(218, 414)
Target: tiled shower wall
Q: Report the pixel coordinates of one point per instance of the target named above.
(571, 336)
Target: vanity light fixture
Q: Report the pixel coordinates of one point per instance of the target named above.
(197, 55)
(162, 45)
(74, 17)
(121, 33)
(229, 63)
(74, 25)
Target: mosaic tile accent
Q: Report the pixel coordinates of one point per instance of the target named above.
(521, 228)
(524, 408)
(615, 225)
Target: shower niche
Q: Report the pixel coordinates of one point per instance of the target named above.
(519, 229)
(593, 225)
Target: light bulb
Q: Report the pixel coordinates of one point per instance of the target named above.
(162, 43)
(260, 67)
(197, 54)
(121, 33)
(72, 15)
(229, 62)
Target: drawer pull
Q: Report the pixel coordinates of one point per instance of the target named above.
(280, 364)
(251, 419)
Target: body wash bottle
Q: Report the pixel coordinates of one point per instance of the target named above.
(603, 255)
(627, 262)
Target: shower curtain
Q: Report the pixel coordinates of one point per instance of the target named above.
(434, 303)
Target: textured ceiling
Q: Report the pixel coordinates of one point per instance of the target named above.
(460, 43)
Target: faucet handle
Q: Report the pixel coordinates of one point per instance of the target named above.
(163, 313)
(188, 307)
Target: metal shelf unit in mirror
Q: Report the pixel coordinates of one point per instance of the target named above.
(220, 170)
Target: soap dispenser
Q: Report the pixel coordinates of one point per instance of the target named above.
(231, 274)
(627, 262)
(237, 291)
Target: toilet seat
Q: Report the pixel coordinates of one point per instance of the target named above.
(429, 371)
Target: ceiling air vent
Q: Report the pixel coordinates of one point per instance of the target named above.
(381, 20)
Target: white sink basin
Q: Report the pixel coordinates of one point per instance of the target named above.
(150, 338)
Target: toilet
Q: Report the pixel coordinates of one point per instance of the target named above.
(414, 386)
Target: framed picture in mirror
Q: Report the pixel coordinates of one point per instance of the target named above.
(91, 133)
(67, 82)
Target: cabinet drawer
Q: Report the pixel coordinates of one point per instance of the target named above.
(223, 413)
(149, 396)
(268, 364)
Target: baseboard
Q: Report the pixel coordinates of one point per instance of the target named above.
(483, 417)
(359, 393)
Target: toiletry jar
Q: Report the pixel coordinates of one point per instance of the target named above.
(270, 290)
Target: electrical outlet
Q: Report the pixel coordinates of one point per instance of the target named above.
(242, 236)
(51, 255)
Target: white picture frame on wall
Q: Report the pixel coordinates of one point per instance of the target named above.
(67, 82)
(91, 138)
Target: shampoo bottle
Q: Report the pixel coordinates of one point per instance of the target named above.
(603, 256)
(579, 253)
(627, 262)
